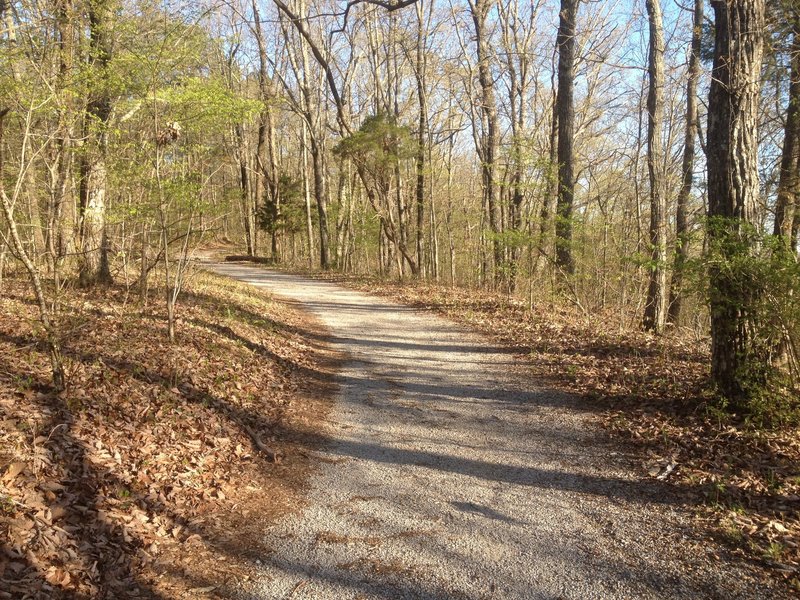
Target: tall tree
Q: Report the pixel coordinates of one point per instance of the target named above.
(565, 112)
(786, 204)
(267, 167)
(94, 265)
(420, 73)
(687, 169)
(517, 37)
(737, 353)
(488, 113)
(655, 308)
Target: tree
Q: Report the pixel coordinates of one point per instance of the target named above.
(388, 224)
(13, 237)
(687, 170)
(786, 202)
(487, 148)
(655, 308)
(738, 356)
(565, 112)
(268, 168)
(94, 265)
(45, 313)
(420, 74)
(517, 49)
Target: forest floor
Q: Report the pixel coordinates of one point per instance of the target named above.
(156, 473)
(741, 481)
(453, 469)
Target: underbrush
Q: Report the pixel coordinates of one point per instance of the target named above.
(157, 469)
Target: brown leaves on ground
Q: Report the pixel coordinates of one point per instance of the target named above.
(154, 474)
(650, 391)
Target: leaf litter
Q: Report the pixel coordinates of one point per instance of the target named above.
(156, 472)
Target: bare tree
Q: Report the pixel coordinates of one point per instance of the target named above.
(565, 110)
(388, 224)
(94, 265)
(266, 151)
(517, 36)
(655, 312)
(420, 74)
(45, 314)
(488, 142)
(687, 170)
(786, 203)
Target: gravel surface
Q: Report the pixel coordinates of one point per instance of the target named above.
(450, 474)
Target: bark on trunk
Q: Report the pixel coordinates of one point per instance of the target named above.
(687, 171)
(737, 355)
(307, 195)
(267, 168)
(566, 131)
(94, 265)
(786, 204)
(422, 136)
(655, 308)
(321, 200)
(246, 191)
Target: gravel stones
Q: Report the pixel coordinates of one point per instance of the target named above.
(451, 475)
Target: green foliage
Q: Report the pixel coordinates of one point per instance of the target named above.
(183, 191)
(707, 42)
(757, 278)
(512, 238)
(645, 261)
(206, 105)
(291, 217)
(379, 144)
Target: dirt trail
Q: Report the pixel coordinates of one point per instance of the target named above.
(451, 475)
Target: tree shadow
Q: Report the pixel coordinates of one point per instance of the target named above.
(84, 490)
(107, 554)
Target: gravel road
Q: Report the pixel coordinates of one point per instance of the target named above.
(451, 475)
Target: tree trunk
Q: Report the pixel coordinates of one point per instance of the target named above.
(94, 266)
(307, 194)
(786, 204)
(480, 11)
(687, 170)
(515, 51)
(245, 191)
(552, 192)
(566, 131)
(422, 135)
(268, 171)
(738, 357)
(60, 230)
(655, 308)
(273, 183)
(320, 197)
(315, 131)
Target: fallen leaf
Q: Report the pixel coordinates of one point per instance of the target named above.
(13, 470)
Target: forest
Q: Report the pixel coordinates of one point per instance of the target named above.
(620, 175)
